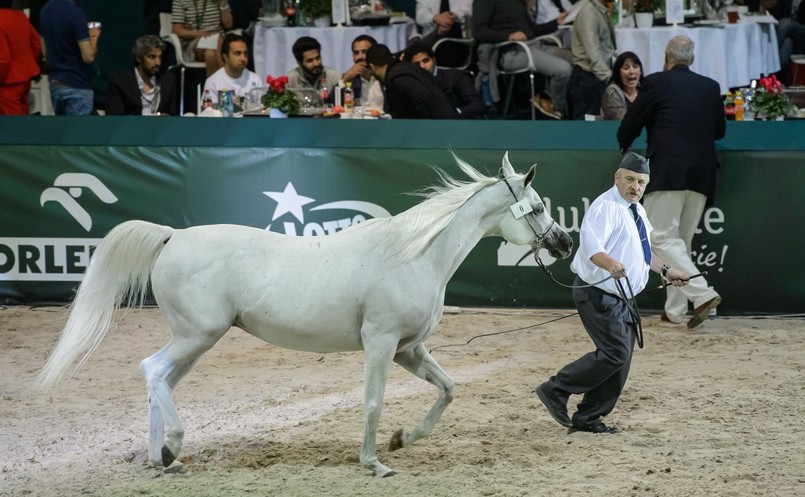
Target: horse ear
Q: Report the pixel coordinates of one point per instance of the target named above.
(506, 166)
(529, 176)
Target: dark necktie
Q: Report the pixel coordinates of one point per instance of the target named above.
(641, 230)
(558, 4)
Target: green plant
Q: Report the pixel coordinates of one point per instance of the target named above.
(644, 6)
(317, 8)
(769, 101)
(280, 98)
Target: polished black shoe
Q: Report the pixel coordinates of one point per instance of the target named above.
(595, 427)
(556, 408)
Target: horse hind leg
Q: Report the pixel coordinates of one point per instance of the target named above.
(419, 362)
(162, 371)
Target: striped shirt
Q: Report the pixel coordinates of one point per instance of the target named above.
(199, 15)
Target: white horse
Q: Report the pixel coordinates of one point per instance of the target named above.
(377, 286)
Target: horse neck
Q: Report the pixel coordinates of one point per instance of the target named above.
(474, 220)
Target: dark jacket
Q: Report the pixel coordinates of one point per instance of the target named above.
(683, 115)
(494, 20)
(123, 94)
(461, 93)
(412, 93)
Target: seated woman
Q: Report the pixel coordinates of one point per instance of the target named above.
(627, 75)
(196, 19)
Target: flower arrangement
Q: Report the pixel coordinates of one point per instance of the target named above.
(278, 97)
(315, 9)
(769, 101)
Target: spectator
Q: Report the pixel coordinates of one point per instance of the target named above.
(234, 75)
(311, 72)
(442, 18)
(457, 85)
(593, 45)
(683, 116)
(194, 21)
(143, 91)
(20, 52)
(71, 47)
(495, 21)
(791, 34)
(549, 10)
(411, 93)
(366, 87)
(627, 76)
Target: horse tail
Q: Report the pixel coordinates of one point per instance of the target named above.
(118, 273)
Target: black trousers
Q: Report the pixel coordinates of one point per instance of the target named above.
(584, 93)
(600, 375)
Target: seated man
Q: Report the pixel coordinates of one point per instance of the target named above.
(366, 87)
(311, 73)
(142, 90)
(457, 85)
(411, 93)
(442, 18)
(234, 75)
(496, 21)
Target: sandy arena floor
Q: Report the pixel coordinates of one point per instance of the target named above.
(717, 412)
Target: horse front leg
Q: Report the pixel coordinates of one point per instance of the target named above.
(378, 354)
(422, 364)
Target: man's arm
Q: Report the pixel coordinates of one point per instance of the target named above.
(471, 105)
(637, 116)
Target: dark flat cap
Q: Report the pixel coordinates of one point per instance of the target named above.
(635, 162)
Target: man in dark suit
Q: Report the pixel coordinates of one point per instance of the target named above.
(411, 93)
(457, 85)
(142, 90)
(683, 116)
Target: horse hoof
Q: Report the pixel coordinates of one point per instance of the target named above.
(390, 473)
(167, 457)
(396, 441)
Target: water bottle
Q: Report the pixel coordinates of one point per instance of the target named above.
(324, 92)
(349, 97)
(486, 92)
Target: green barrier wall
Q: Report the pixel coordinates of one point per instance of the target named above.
(67, 181)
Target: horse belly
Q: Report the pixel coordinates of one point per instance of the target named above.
(305, 331)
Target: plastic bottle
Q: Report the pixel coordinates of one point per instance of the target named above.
(290, 13)
(324, 91)
(206, 102)
(739, 106)
(616, 12)
(729, 107)
(349, 97)
(486, 92)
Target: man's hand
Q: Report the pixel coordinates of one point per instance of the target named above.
(518, 36)
(561, 19)
(676, 277)
(445, 19)
(360, 68)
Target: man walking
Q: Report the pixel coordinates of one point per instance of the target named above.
(613, 251)
(683, 116)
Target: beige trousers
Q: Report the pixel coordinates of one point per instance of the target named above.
(674, 215)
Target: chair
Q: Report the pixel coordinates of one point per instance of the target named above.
(454, 53)
(167, 35)
(510, 73)
(797, 60)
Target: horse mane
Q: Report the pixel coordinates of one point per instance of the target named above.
(409, 233)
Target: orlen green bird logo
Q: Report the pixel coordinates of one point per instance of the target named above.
(344, 213)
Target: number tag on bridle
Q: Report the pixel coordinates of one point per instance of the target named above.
(521, 208)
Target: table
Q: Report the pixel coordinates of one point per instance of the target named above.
(272, 45)
(733, 54)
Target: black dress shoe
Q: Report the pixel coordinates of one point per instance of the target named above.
(556, 408)
(595, 427)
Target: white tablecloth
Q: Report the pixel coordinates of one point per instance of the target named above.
(272, 46)
(733, 55)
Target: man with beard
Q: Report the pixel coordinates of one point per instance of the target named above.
(366, 87)
(311, 72)
(234, 75)
(411, 93)
(143, 91)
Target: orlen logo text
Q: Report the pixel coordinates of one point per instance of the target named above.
(56, 259)
(290, 202)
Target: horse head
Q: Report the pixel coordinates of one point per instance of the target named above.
(529, 222)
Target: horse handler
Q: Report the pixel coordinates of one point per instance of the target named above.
(614, 252)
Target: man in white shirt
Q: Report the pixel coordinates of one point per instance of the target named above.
(445, 17)
(234, 75)
(614, 251)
